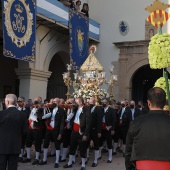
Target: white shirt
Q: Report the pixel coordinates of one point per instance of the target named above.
(11, 106)
(133, 111)
(52, 123)
(76, 120)
(123, 110)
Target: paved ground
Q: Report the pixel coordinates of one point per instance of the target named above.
(117, 164)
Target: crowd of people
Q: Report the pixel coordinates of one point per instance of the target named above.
(75, 126)
(76, 6)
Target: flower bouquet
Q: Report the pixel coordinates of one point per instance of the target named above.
(162, 84)
(159, 51)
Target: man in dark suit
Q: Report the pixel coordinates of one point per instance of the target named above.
(13, 124)
(142, 108)
(54, 131)
(124, 118)
(95, 133)
(135, 111)
(81, 125)
(26, 111)
(148, 138)
(108, 127)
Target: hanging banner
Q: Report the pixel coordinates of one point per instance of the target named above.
(79, 38)
(19, 29)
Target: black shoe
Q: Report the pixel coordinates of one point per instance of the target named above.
(94, 164)
(49, 155)
(26, 160)
(25, 155)
(42, 163)
(67, 166)
(109, 161)
(36, 162)
(114, 153)
(99, 158)
(56, 165)
(83, 168)
(20, 159)
(64, 160)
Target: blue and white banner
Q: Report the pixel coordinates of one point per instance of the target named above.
(79, 38)
(19, 29)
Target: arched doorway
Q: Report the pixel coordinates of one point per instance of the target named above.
(144, 79)
(56, 86)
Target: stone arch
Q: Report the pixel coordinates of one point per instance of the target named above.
(54, 50)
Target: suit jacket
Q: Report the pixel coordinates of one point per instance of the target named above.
(126, 118)
(110, 117)
(148, 138)
(13, 124)
(144, 111)
(85, 121)
(96, 119)
(59, 120)
(136, 113)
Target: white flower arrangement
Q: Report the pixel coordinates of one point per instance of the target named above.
(83, 92)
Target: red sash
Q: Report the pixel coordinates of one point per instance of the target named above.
(29, 125)
(152, 165)
(103, 126)
(76, 127)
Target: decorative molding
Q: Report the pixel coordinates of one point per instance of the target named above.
(33, 74)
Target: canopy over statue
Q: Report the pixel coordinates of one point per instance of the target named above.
(91, 63)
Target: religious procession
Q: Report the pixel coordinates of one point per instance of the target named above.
(78, 93)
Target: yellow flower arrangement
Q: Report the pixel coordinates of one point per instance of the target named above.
(159, 51)
(162, 84)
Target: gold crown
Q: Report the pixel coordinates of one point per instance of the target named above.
(19, 8)
(157, 5)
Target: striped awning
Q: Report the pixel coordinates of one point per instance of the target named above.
(59, 13)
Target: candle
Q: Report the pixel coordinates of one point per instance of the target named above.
(69, 67)
(75, 76)
(65, 75)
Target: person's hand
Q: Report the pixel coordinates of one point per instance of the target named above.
(99, 135)
(112, 132)
(59, 137)
(84, 138)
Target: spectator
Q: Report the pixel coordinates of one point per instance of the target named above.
(147, 143)
(85, 9)
(78, 3)
(72, 4)
(13, 124)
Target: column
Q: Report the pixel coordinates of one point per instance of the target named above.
(33, 82)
